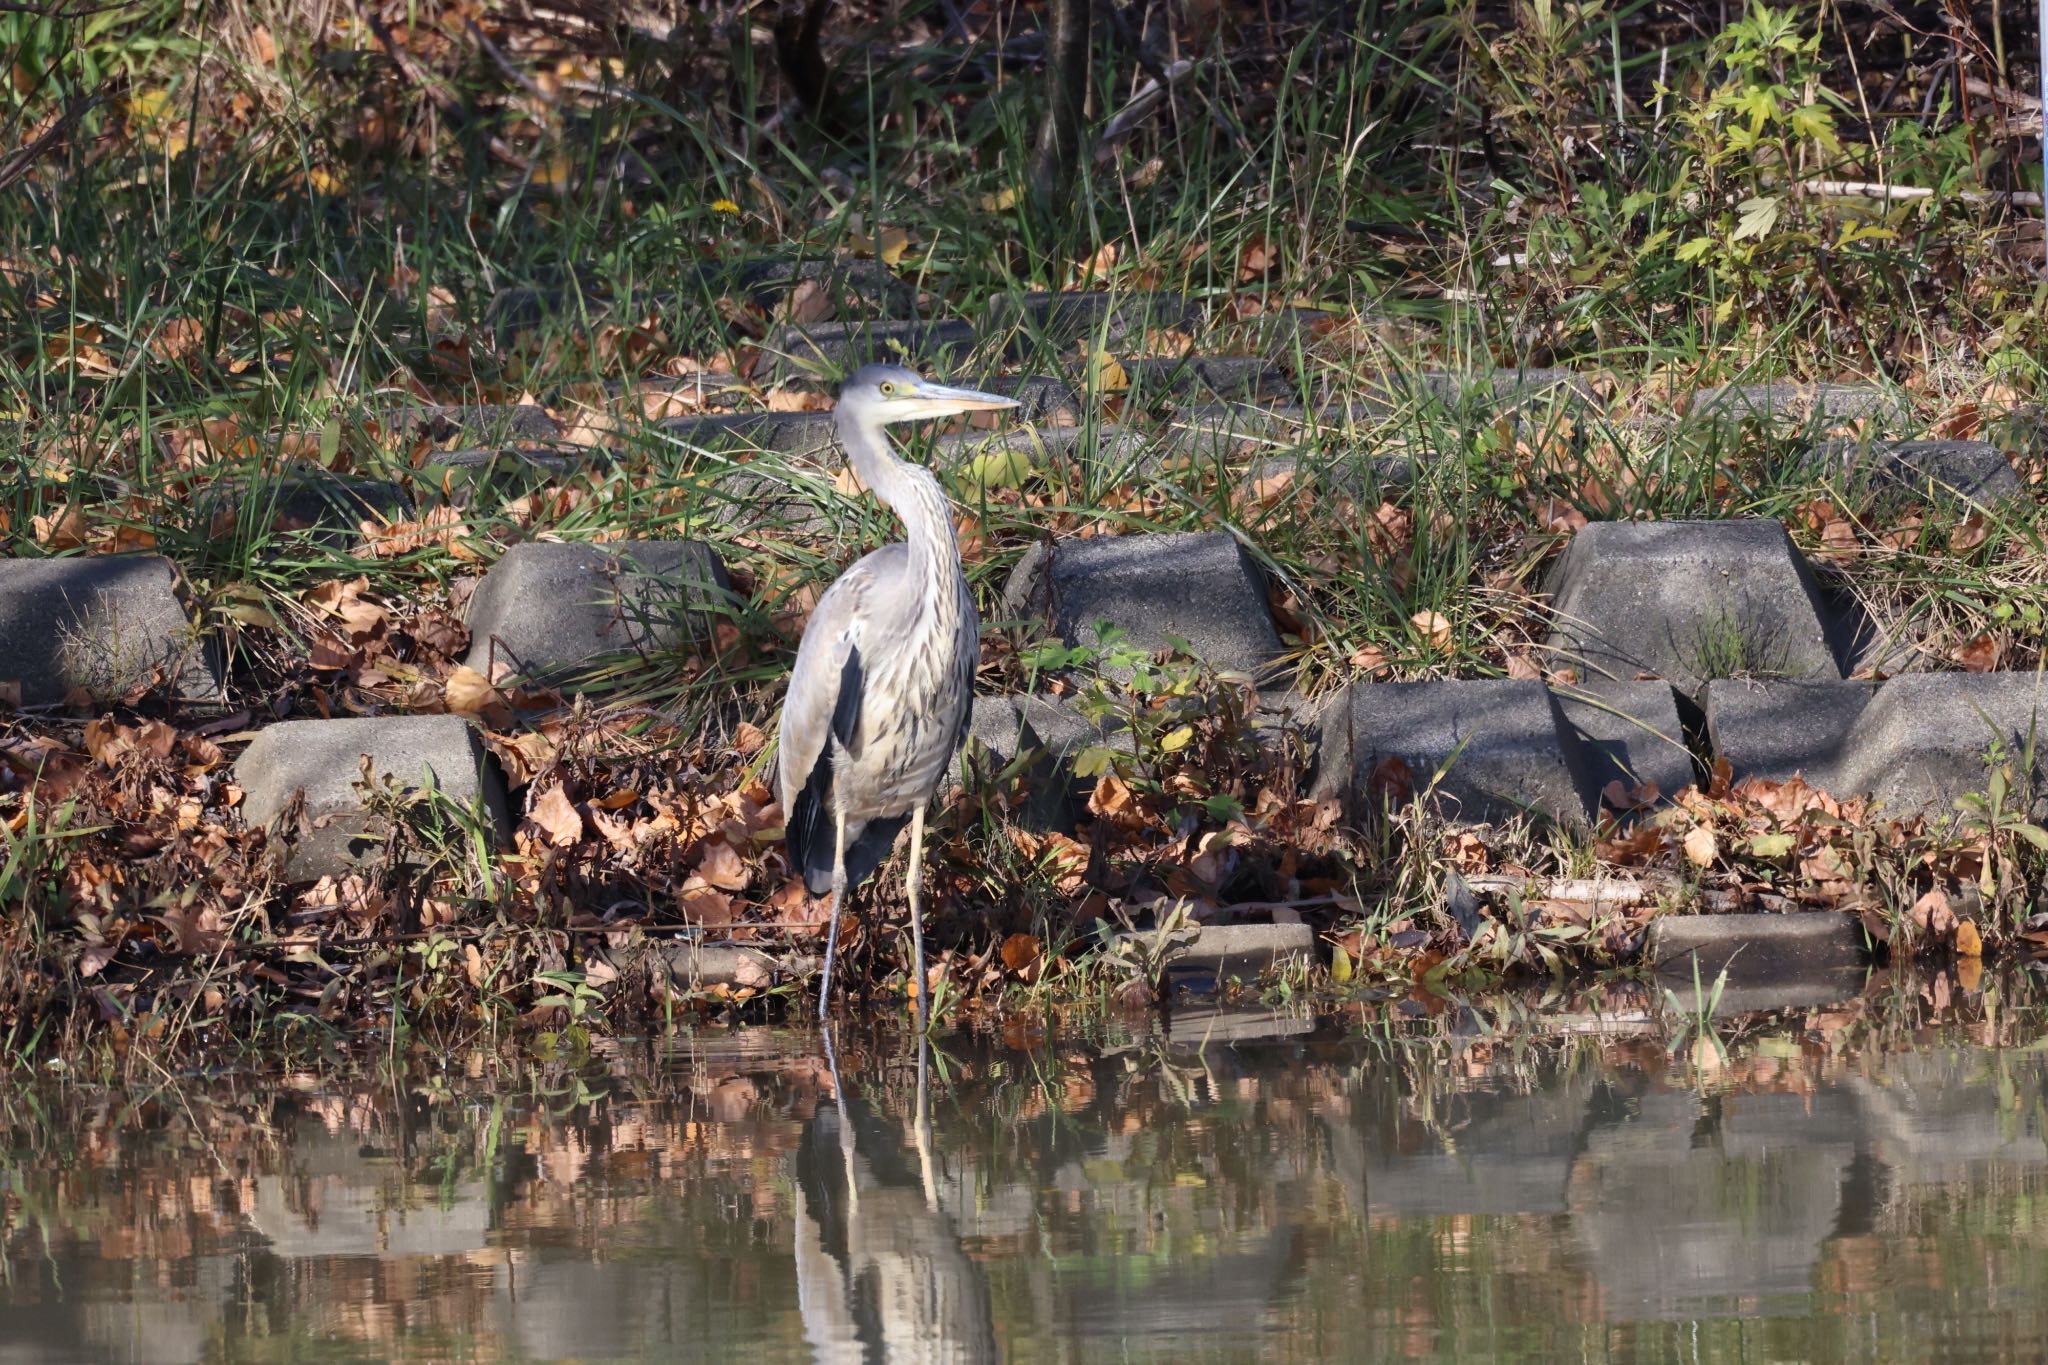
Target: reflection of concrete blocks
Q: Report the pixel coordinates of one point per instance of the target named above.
(109, 624)
(1687, 601)
(324, 759)
(1200, 587)
(546, 609)
(1504, 748)
(1915, 744)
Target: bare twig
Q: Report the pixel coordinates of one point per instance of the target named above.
(431, 88)
(15, 164)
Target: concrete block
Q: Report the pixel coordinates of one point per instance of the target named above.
(330, 505)
(1930, 471)
(1227, 431)
(323, 759)
(853, 287)
(1784, 406)
(1778, 730)
(1118, 322)
(1913, 744)
(807, 435)
(1044, 399)
(547, 608)
(1754, 946)
(1927, 739)
(477, 424)
(1211, 379)
(1687, 601)
(1199, 586)
(1631, 733)
(844, 347)
(1246, 951)
(110, 624)
(1049, 732)
(1490, 389)
(1514, 750)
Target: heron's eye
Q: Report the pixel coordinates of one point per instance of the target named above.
(887, 388)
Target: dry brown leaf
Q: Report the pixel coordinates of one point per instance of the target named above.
(557, 817)
(63, 530)
(1523, 665)
(469, 693)
(1701, 848)
(1979, 655)
(722, 866)
(442, 526)
(1434, 627)
(1020, 953)
(701, 903)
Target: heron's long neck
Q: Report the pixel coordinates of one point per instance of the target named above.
(916, 498)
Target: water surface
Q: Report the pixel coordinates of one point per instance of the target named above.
(1864, 1181)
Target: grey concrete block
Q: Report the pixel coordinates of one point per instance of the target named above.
(1754, 946)
(1227, 431)
(547, 609)
(1198, 586)
(1208, 379)
(1490, 389)
(1118, 322)
(854, 287)
(531, 308)
(477, 424)
(808, 435)
(110, 624)
(327, 504)
(846, 346)
(1048, 732)
(1245, 951)
(459, 476)
(1928, 739)
(1108, 447)
(1777, 730)
(1690, 600)
(1931, 471)
(1631, 733)
(1914, 745)
(1507, 745)
(1044, 398)
(1790, 405)
(323, 759)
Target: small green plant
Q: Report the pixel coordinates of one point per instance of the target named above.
(1141, 956)
(2001, 818)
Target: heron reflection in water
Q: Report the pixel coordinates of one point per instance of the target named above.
(881, 1275)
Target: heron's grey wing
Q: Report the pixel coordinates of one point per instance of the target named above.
(826, 688)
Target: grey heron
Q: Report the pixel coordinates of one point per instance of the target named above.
(878, 700)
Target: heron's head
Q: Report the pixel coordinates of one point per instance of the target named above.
(881, 394)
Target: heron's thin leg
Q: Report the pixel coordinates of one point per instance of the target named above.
(923, 1128)
(918, 982)
(838, 900)
(845, 1123)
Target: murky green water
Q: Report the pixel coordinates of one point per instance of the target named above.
(1865, 1181)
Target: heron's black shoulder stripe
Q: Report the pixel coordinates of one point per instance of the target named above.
(809, 827)
(846, 711)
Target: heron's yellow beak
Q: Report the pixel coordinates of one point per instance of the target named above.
(941, 400)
